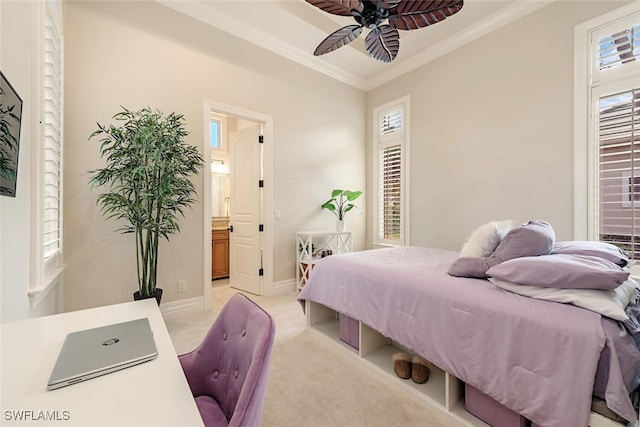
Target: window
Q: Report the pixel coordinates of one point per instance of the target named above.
(618, 182)
(607, 117)
(391, 148)
(48, 248)
(217, 132)
(215, 135)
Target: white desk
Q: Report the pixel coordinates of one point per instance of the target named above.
(155, 393)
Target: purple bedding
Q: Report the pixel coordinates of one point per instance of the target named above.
(538, 358)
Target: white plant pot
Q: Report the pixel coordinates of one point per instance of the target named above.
(340, 225)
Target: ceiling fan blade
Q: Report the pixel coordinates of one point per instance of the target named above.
(343, 36)
(383, 43)
(388, 4)
(337, 7)
(414, 14)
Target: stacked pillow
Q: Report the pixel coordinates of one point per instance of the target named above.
(531, 239)
(593, 248)
(567, 271)
(528, 261)
(610, 303)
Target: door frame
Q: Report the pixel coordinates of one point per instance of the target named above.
(267, 171)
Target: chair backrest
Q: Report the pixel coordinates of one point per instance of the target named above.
(232, 362)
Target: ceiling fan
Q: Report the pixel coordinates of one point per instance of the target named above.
(383, 41)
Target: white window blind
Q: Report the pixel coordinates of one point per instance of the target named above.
(390, 193)
(390, 122)
(52, 133)
(619, 169)
(615, 50)
(390, 173)
(619, 48)
(614, 136)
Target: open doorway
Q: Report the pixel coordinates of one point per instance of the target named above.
(238, 198)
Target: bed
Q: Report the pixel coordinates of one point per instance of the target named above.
(542, 359)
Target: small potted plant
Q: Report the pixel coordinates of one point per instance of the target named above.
(340, 203)
(148, 180)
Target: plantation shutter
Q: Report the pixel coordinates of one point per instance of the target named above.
(615, 50)
(616, 120)
(390, 153)
(390, 190)
(391, 122)
(619, 170)
(619, 48)
(52, 133)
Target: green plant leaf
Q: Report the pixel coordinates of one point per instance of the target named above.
(352, 195)
(338, 202)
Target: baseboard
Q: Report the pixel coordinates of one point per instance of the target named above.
(282, 287)
(195, 305)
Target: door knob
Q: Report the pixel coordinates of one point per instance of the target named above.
(230, 229)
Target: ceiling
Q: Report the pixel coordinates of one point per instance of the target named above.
(293, 29)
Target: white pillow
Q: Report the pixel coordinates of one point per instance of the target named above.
(486, 238)
(609, 303)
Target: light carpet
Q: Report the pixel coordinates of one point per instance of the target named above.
(312, 381)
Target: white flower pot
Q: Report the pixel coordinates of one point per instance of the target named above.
(340, 225)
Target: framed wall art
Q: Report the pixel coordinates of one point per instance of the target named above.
(10, 120)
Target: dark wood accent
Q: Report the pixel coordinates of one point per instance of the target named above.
(219, 254)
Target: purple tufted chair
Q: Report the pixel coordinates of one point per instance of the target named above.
(227, 372)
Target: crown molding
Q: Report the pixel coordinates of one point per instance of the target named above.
(236, 27)
(498, 20)
(232, 25)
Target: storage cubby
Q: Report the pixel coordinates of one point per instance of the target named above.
(443, 393)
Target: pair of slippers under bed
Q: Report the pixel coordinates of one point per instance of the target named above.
(415, 367)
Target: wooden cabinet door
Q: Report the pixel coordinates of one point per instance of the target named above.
(219, 254)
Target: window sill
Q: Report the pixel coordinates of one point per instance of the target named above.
(36, 295)
(376, 245)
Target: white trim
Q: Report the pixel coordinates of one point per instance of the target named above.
(235, 26)
(44, 274)
(282, 287)
(36, 295)
(267, 161)
(194, 305)
(232, 25)
(405, 102)
(206, 154)
(36, 155)
(584, 205)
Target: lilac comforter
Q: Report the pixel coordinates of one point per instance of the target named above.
(536, 357)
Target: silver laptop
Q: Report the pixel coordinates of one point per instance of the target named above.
(99, 351)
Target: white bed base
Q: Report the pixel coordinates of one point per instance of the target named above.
(443, 393)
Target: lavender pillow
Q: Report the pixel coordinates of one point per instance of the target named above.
(472, 267)
(564, 271)
(530, 239)
(593, 248)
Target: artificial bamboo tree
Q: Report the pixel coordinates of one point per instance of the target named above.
(147, 175)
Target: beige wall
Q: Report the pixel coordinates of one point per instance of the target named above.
(140, 53)
(492, 128)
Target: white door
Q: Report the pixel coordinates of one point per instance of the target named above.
(245, 243)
